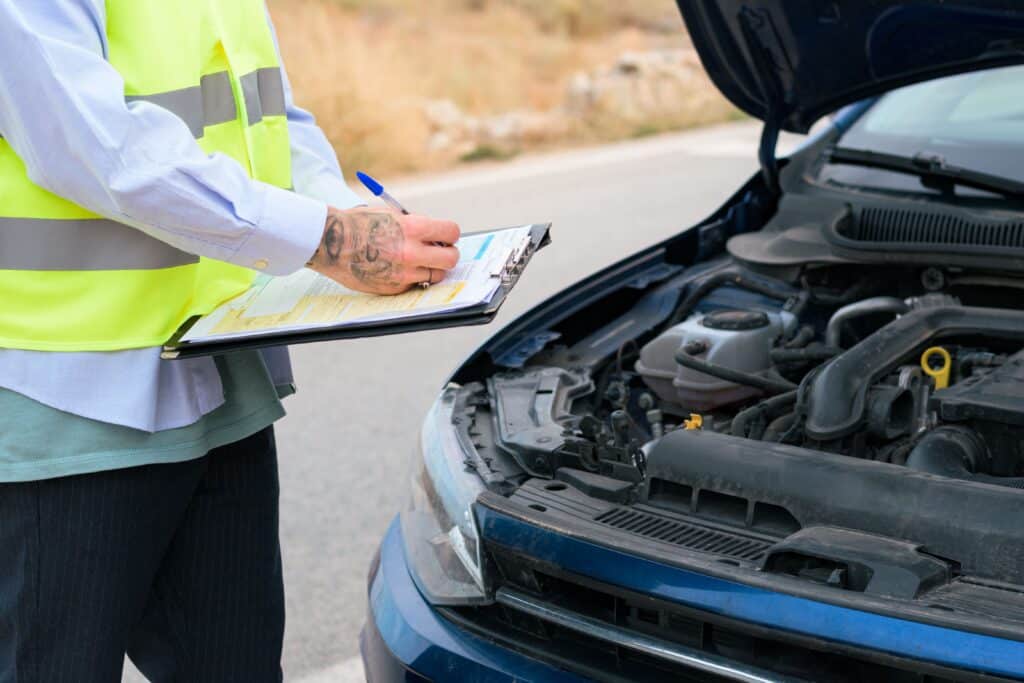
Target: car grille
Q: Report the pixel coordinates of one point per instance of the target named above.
(889, 226)
(640, 618)
(686, 534)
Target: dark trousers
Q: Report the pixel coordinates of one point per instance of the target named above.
(179, 566)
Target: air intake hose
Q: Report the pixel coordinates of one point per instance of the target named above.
(837, 399)
(879, 304)
(955, 452)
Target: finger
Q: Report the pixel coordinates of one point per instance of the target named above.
(432, 230)
(429, 256)
(418, 276)
(396, 289)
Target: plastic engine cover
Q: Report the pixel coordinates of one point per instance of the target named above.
(738, 340)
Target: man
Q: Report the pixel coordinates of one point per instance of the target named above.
(138, 498)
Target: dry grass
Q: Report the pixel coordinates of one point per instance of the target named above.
(364, 67)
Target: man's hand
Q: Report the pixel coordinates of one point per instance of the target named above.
(382, 251)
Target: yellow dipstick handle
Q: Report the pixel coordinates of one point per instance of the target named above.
(694, 423)
(941, 373)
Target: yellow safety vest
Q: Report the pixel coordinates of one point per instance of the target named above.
(72, 281)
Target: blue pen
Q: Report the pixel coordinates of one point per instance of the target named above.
(378, 191)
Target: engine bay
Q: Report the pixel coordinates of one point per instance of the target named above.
(925, 379)
(876, 398)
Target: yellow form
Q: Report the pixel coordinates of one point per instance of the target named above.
(307, 300)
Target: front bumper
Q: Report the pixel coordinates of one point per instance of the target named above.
(405, 639)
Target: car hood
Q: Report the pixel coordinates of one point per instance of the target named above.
(790, 63)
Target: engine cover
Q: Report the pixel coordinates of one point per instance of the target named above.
(995, 397)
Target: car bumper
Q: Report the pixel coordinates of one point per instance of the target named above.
(406, 639)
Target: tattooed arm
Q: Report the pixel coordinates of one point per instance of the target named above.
(384, 252)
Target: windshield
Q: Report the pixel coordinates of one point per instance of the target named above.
(974, 121)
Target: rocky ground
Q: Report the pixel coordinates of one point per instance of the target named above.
(641, 93)
(406, 86)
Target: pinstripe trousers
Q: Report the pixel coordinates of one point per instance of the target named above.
(177, 565)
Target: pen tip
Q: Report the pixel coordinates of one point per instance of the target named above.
(371, 184)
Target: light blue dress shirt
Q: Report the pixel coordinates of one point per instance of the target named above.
(63, 111)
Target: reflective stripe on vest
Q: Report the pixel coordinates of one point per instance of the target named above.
(48, 244)
(213, 102)
(73, 281)
(263, 90)
(208, 104)
(84, 244)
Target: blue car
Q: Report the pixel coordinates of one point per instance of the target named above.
(786, 444)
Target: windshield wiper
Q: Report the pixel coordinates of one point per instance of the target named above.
(933, 171)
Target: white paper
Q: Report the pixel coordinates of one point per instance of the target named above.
(308, 301)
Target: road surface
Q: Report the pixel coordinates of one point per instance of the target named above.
(346, 443)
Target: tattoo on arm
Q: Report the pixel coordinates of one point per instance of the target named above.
(376, 250)
(334, 237)
(368, 244)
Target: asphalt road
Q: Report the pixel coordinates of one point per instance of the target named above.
(346, 442)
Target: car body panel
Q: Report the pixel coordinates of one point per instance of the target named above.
(421, 640)
(794, 62)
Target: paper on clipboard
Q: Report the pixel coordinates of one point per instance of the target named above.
(308, 301)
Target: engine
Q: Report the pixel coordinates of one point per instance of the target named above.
(925, 373)
(922, 381)
(879, 400)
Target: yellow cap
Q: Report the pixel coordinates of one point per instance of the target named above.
(940, 374)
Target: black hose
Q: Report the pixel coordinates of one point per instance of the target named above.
(896, 453)
(803, 337)
(766, 384)
(857, 290)
(985, 281)
(984, 359)
(778, 427)
(859, 309)
(799, 304)
(730, 276)
(837, 400)
(765, 410)
(814, 353)
(955, 452)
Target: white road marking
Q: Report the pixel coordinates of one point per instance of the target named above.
(348, 671)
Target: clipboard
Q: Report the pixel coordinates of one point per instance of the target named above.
(178, 348)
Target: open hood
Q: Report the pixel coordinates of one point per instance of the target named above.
(790, 63)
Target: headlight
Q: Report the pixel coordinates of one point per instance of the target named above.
(441, 541)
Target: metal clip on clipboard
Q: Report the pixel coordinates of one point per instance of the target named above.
(515, 265)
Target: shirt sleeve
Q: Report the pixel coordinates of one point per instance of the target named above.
(315, 169)
(63, 112)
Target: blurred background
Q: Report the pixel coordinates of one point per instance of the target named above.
(404, 86)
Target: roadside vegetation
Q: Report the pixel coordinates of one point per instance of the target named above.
(402, 86)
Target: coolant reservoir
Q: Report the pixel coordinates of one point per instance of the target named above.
(738, 340)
